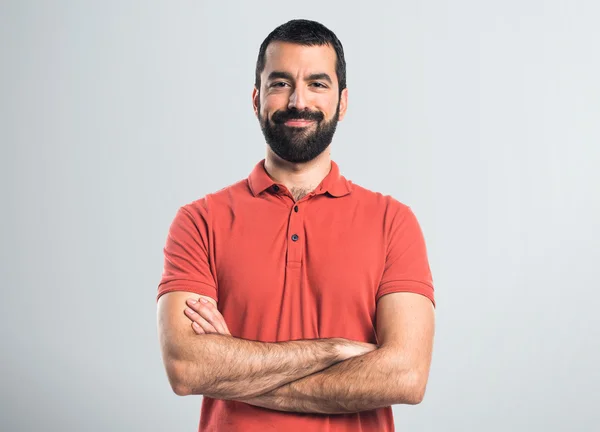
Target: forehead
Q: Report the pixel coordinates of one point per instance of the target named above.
(294, 58)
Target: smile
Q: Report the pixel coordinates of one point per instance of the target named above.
(298, 122)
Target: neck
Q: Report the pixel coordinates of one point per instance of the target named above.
(303, 177)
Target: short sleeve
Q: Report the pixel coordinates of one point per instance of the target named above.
(186, 258)
(406, 265)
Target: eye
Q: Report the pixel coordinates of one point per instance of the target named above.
(279, 84)
(319, 84)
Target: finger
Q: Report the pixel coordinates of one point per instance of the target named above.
(227, 328)
(197, 329)
(211, 314)
(201, 309)
(197, 318)
(215, 318)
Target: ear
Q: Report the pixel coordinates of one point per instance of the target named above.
(343, 103)
(255, 96)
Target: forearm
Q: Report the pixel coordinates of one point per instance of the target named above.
(225, 367)
(370, 381)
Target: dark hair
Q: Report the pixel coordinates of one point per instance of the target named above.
(308, 33)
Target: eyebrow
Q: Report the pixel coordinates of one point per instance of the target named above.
(312, 77)
(320, 76)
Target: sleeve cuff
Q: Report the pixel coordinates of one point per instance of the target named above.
(195, 287)
(416, 287)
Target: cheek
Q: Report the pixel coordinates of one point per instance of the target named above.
(327, 105)
(329, 111)
(272, 103)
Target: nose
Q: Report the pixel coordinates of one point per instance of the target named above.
(298, 99)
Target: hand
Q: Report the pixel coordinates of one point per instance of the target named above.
(350, 348)
(205, 317)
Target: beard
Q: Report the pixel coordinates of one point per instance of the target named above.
(298, 144)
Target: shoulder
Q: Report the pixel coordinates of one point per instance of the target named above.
(212, 204)
(384, 203)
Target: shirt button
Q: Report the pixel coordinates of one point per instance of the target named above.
(296, 209)
(295, 237)
(276, 188)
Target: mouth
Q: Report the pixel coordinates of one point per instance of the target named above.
(298, 122)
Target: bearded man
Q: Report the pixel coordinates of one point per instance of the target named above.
(294, 299)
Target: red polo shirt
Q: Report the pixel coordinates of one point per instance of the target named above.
(282, 270)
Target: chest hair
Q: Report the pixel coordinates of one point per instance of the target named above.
(299, 193)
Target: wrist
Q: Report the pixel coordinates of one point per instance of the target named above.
(341, 350)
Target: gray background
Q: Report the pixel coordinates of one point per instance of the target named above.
(482, 116)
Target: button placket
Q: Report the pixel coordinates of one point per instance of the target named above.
(295, 241)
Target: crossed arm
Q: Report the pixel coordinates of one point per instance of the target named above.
(371, 381)
(327, 376)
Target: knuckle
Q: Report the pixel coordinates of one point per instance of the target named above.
(207, 314)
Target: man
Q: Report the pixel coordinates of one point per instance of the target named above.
(295, 300)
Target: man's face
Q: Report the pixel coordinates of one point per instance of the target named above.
(299, 104)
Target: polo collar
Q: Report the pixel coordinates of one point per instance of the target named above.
(334, 183)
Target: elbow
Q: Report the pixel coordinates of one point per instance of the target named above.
(414, 391)
(176, 375)
(415, 396)
(181, 390)
(184, 379)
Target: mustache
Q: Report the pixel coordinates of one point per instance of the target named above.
(280, 117)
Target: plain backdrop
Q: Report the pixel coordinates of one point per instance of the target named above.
(482, 116)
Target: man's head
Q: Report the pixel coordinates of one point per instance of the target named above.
(300, 89)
